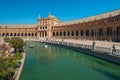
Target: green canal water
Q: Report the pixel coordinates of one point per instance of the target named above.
(57, 63)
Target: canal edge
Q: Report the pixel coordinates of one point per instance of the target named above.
(97, 54)
(17, 76)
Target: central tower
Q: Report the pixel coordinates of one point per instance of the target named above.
(45, 26)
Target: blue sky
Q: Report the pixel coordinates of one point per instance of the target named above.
(26, 11)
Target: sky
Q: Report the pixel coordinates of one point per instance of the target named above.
(27, 11)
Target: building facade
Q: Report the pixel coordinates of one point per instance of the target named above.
(23, 31)
(105, 26)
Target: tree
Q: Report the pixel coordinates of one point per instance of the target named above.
(17, 43)
(6, 68)
(7, 39)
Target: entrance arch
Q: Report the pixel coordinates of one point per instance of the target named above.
(100, 32)
(68, 33)
(77, 33)
(87, 32)
(11, 34)
(109, 31)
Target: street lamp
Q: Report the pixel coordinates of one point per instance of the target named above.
(93, 39)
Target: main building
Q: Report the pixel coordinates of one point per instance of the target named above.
(105, 26)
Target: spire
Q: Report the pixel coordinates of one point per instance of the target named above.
(49, 14)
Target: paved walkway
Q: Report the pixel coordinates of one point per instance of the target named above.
(105, 44)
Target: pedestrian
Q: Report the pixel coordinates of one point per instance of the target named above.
(113, 49)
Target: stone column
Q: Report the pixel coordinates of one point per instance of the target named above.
(104, 33)
(62, 33)
(69, 33)
(66, 34)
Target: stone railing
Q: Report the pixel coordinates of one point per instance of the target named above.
(104, 50)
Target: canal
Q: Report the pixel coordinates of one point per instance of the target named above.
(58, 63)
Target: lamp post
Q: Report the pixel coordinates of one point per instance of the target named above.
(93, 38)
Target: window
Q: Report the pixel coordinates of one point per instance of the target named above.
(46, 27)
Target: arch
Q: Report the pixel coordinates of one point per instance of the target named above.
(118, 31)
(32, 34)
(53, 33)
(46, 27)
(100, 32)
(81, 32)
(64, 33)
(72, 33)
(68, 33)
(25, 34)
(18, 34)
(28, 34)
(21, 34)
(56, 33)
(45, 33)
(87, 32)
(60, 33)
(11, 34)
(109, 31)
(77, 33)
(14, 34)
(35, 34)
(7, 34)
(3, 34)
(92, 32)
